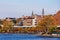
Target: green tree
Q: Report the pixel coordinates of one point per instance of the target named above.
(52, 28)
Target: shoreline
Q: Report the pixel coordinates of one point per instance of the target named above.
(46, 35)
(49, 35)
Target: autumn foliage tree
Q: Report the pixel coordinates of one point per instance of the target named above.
(7, 25)
(47, 22)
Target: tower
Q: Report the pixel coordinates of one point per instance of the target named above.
(32, 15)
(43, 13)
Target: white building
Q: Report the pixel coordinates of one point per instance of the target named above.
(34, 22)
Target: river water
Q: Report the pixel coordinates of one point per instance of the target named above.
(24, 37)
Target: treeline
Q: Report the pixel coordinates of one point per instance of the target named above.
(47, 25)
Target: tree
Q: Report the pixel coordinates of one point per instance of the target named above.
(47, 22)
(14, 21)
(52, 28)
(8, 25)
(0, 21)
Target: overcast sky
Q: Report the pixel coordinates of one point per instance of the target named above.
(17, 8)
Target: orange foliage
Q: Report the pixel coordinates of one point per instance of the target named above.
(46, 22)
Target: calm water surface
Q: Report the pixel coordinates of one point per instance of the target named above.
(24, 37)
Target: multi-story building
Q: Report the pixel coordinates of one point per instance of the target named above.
(31, 20)
(27, 21)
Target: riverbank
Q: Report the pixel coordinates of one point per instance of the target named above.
(49, 35)
(43, 35)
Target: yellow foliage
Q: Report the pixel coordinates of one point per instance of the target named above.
(46, 23)
(7, 23)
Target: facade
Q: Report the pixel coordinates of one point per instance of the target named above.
(34, 22)
(27, 22)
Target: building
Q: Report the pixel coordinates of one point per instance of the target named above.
(57, 17)
(32, 20)
(37, 18)
(27, 21)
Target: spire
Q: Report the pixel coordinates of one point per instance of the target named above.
(42, 12)
(32, 14)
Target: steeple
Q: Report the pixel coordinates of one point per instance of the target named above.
(32, 14)
(43, 13)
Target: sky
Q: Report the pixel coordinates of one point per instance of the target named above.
(17, 8)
